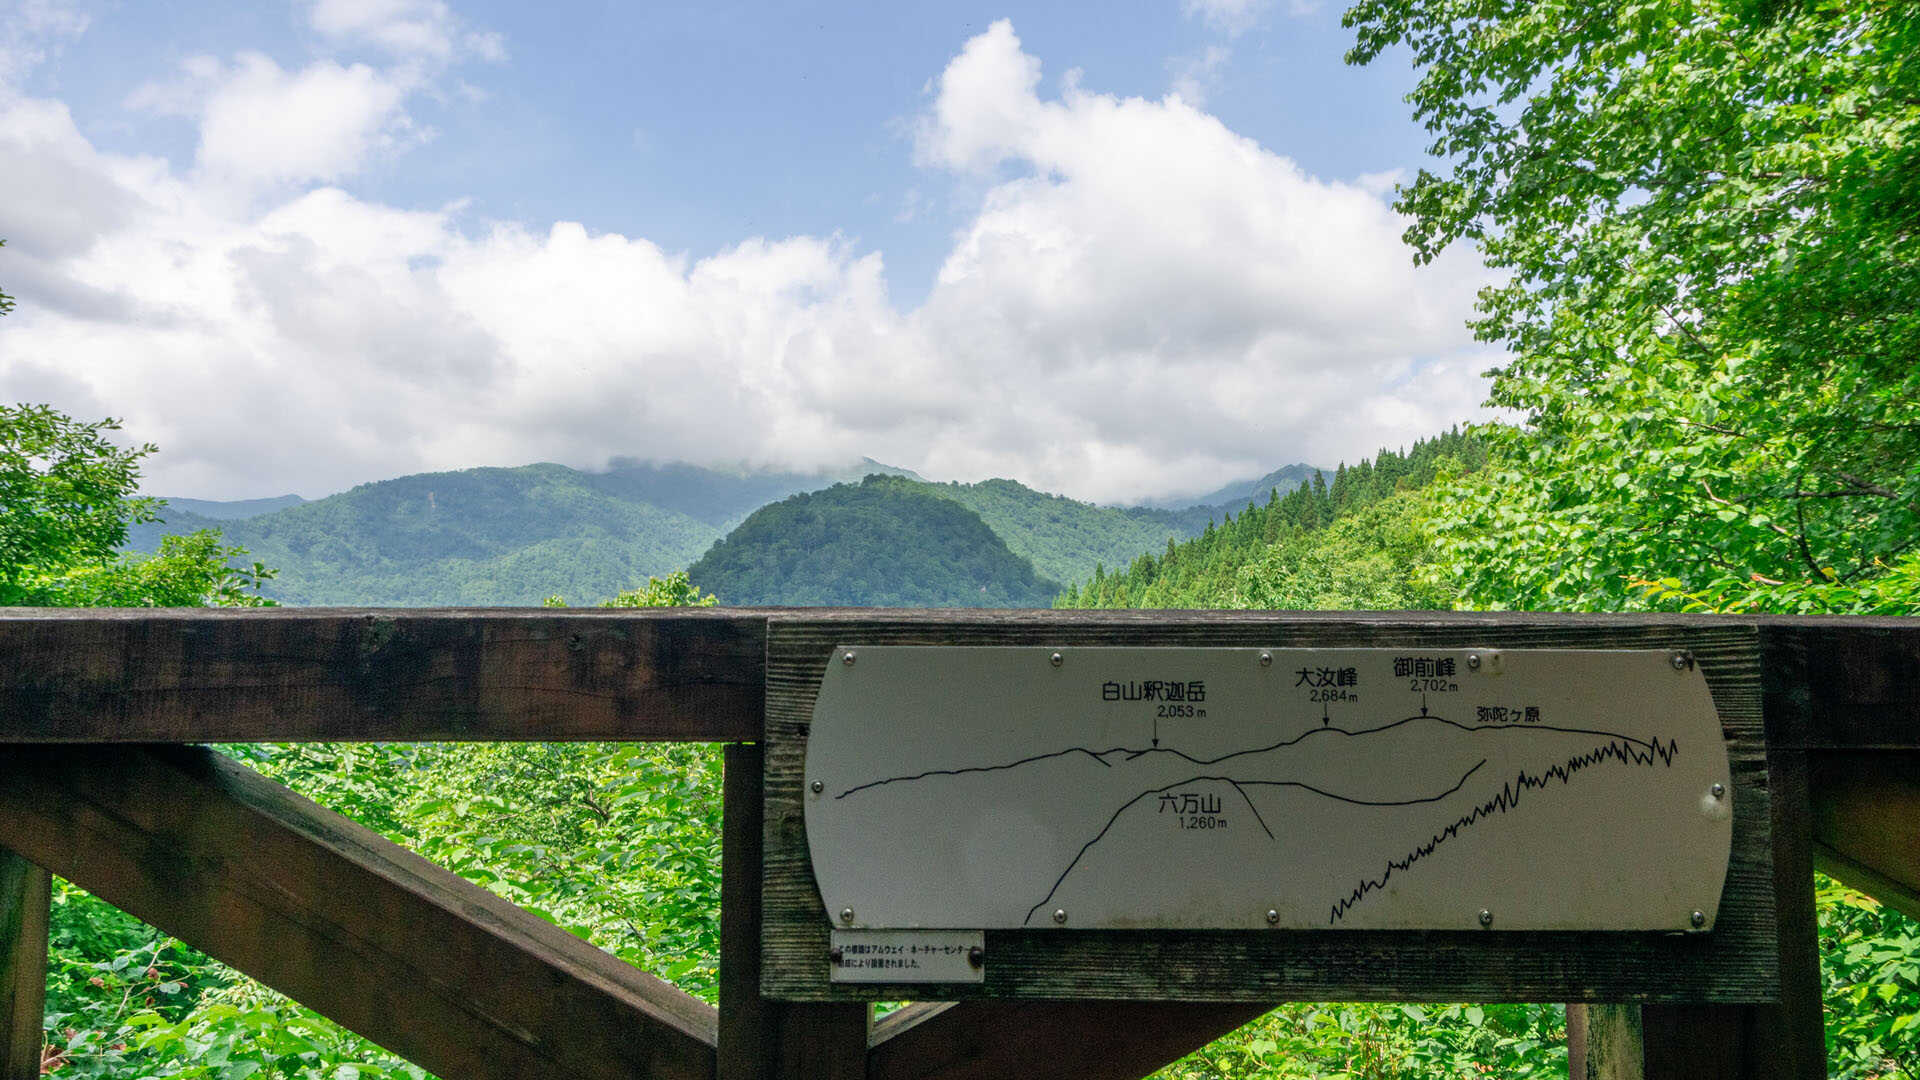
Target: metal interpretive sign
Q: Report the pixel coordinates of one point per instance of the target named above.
(1173, 788)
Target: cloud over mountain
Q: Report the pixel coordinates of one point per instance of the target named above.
(1142, 302)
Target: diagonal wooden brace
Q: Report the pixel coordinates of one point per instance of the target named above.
(343, 921)
(1047, 1040)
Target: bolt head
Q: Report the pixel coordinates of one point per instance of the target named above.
(1272, 916)
(836, 954)
(1681, 661)
(1486, 917)
(847, 658)
(1056, 659)
(846, 915)
(1266, 659)
(1719, 791)
(1698, 919)
(817, 786)
(977, 956)
(1060, 915)
(1473, 661)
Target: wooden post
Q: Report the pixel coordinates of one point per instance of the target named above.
(1576, 1039)
(26, 892)
(1611, 1043)
(749, 1039)
(824, 1041)
(762, 1039)
(1788, 1039)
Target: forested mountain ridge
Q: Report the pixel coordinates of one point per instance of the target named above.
(231, 509)
(517, 535)
(1066, 538)
(480, 536)
(884, 542)
(1240, 492)
(493, 535)
(1355, 541)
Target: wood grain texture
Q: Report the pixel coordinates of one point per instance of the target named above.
(290, 674)
(414, 958)
(396, 674)
(25, 896)
(749, 1023)
(1735, 963)
(1866, 823)
(1787, 1036)
(1611, 1042)
(762, 1039)
(1861, 677)
(1049, 1040)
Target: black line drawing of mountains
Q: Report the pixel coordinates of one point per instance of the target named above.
(1418, 783)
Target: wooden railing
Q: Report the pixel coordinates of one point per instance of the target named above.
(102, 782)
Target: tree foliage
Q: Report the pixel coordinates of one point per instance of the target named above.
(66, 502)
(1357, 541)
(65, 495)
(1707, 215)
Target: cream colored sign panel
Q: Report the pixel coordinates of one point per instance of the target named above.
(1195, 788)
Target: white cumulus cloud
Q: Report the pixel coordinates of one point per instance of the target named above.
(416, 29)
(1144, 303)
(262, 125)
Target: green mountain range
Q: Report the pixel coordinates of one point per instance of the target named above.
(518, 535)
(232, 510)
(493, 536)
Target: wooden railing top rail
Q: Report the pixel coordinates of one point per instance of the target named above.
(542, 674)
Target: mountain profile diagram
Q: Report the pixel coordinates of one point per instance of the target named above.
(1011, 787)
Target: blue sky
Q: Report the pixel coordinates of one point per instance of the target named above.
(725, 226)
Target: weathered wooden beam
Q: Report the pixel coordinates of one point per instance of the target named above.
(291, 674)
(1866, 823)
(25, 894)
(385, 943)
(397, 674)
(1047, 1040)
(1861, 679)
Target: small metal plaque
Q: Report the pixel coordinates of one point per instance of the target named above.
(1216, 788)
(909, 956)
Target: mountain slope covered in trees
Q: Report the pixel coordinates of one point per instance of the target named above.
(516, 536)
(1066, 538)
(492, 535)
(231, 509)
(884, 542)
(1241, 492)
(1355, 541)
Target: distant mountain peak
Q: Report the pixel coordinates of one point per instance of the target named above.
(1239, 493)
